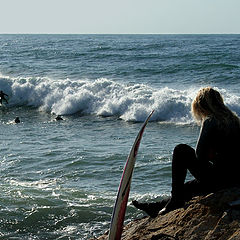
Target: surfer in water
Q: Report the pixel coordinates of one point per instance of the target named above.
(2, 97)
(214, 163)
(58, 118)
(17, 120)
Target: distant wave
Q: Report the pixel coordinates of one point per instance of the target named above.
(104, 97)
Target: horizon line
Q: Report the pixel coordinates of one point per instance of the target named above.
(119, 33)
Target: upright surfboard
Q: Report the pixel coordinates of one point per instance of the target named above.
(124, 188)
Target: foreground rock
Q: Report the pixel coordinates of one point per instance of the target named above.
(215, 216)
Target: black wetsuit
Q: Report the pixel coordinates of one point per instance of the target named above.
(215, 163)
(2, 97)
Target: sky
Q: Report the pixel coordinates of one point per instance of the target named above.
(120, 16)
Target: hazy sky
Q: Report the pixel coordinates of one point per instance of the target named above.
(120, 16)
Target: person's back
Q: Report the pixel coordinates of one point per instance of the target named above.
(228, 161)
(219, 143)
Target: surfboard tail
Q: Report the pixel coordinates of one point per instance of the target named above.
(119, 210)
(121, 216)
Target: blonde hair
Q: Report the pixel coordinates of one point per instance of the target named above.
(209, 103)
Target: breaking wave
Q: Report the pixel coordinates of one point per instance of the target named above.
(104, 97)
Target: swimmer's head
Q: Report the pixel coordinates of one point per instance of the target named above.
(17, 120)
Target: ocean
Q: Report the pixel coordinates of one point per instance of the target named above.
(59, 179)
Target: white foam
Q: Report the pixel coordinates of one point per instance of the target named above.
(105, 97)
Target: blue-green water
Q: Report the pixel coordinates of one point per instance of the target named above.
(59, 178)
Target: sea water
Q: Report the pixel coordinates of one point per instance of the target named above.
(59, 179)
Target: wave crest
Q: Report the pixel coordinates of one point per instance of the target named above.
(104, 97)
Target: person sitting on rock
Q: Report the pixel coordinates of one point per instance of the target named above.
(214, 164)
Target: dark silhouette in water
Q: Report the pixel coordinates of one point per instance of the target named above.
(58, 118)
(2, 97)
(17, 120)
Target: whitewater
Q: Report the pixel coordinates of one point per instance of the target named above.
(103, 97)
(59, 179)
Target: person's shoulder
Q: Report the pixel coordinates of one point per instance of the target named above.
(210, 124)
(210, 121)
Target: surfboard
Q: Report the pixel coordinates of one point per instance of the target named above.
(119, 209)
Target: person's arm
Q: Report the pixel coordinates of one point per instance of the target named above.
(205, 150)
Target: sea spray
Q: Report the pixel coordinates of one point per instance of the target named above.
(104, 97)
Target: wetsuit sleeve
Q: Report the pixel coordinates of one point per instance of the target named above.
(205, 145)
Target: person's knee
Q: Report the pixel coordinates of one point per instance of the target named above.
(183, 152)
(183, 148)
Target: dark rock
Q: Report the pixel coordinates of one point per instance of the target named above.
(215, 216)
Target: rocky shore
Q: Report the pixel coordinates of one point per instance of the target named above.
(215, 216)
